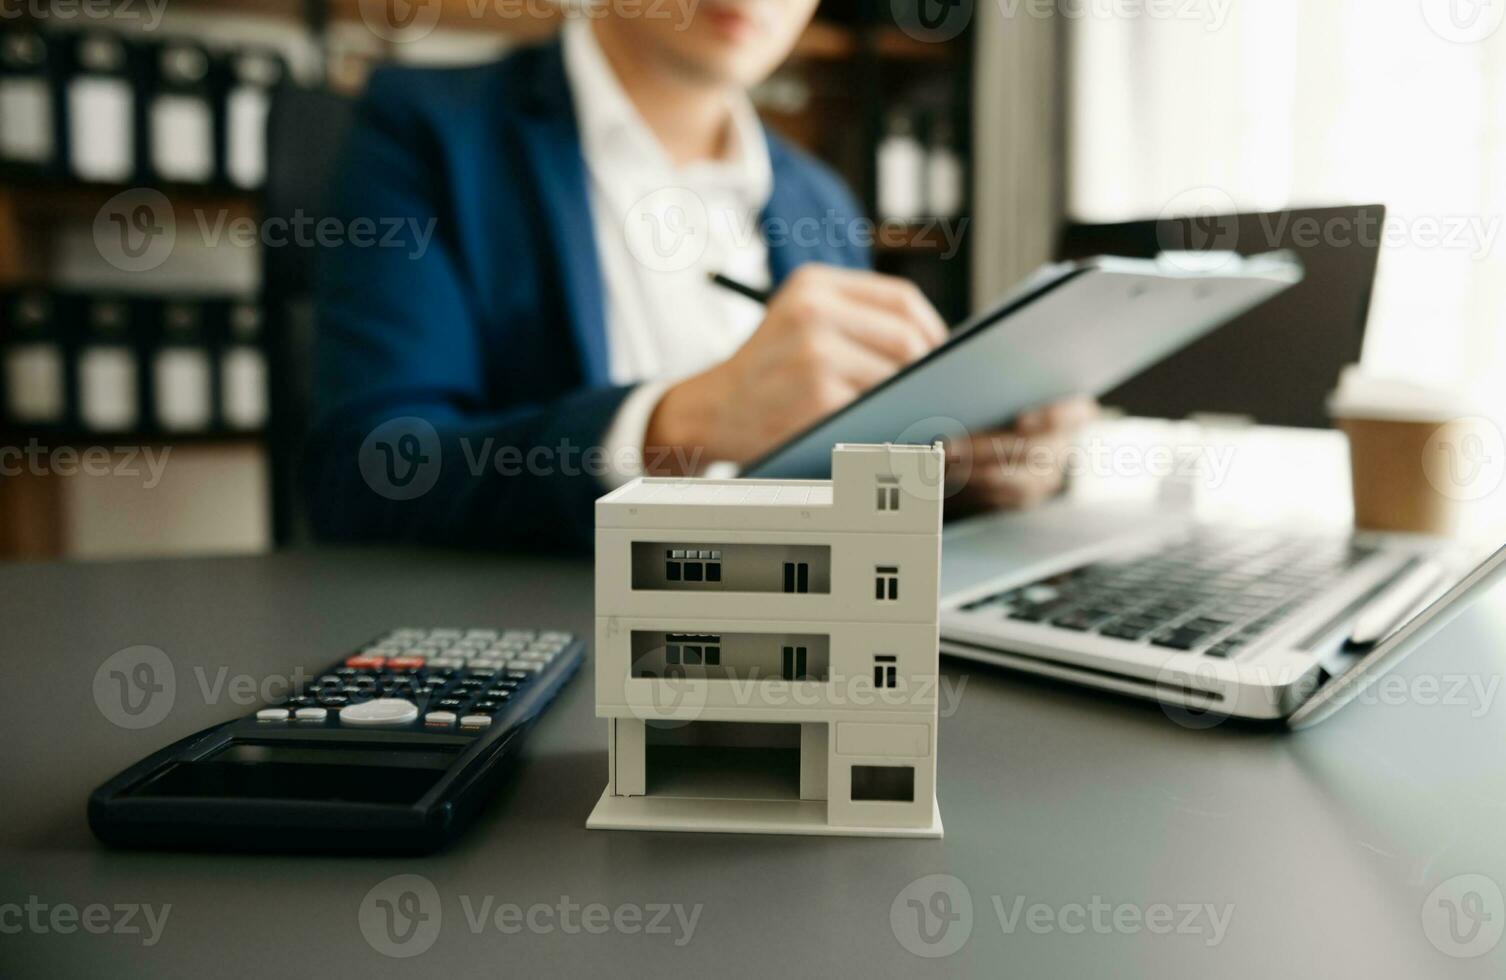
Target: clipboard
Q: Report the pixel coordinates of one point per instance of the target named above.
(1079, 328)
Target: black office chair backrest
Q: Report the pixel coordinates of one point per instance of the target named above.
(305, 133)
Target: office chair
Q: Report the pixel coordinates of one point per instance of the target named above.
(305, 132)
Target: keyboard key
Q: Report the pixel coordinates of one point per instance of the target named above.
(1179, 639)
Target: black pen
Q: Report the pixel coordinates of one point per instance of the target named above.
(741, 289)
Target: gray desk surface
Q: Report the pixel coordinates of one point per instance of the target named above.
(1322, 849)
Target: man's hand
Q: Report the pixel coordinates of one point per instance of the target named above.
(830, 335)
(1016, 467)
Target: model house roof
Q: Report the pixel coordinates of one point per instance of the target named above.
(668, 491)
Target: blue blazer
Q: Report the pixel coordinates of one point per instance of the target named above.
(442, 360)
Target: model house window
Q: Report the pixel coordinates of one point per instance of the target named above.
(693, 649)
(692, 565)
(885, 671)
(888, 494)
(794, 663)
(886, 583)
(797, 576)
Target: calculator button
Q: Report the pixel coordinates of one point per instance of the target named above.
(447, 663)
(381, 713)
(312, 714)
(528, 666)
(445, 634)
(362, 662)
(334, 700)
(451, 704)
(517, 675)
(272, 714)
(439, 719)
(475, 722)
(301, 701)
(553, 636)
(405, 663)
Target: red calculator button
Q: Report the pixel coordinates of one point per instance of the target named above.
(366, 663)
(405, 663)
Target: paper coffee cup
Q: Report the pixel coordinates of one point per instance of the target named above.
(1416, 453)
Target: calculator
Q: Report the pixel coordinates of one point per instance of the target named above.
(393, 748)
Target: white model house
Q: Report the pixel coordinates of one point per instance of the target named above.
(766, 650)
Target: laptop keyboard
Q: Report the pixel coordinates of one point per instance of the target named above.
(1214, 591)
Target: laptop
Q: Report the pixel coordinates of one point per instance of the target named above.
(1223, 620)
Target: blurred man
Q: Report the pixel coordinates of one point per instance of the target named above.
(558, 335)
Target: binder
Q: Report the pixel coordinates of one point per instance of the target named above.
(248, 77)
(101, 106)
(181, 120)
(181, 383)
(33, 352)
(110, 393)
(29, 111)
(243, 397)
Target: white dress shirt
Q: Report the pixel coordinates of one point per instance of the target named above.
(660, 230)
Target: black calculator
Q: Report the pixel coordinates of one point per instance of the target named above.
(392, 748)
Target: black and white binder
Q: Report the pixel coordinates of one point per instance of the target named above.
(250, 76)
(109, 383)
(181, 119)
(243, 369)
(33, 351)
(101, 107)
(28, 107)
(181, 371)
